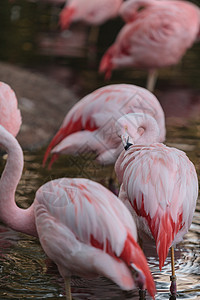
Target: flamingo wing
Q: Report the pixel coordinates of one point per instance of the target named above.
(100, 110)
(79, 222)
(160, 27)
(162, 187)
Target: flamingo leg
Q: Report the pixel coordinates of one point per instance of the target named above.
(151, 80)
(142, 294)
(68, 289)
(93, 35)
(92, 45)
(173, 277)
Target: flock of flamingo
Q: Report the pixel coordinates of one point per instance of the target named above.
(82, 226)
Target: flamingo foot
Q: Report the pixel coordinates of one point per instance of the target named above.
(173, 288)
(142, 294)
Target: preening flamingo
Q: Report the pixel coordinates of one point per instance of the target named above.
(92, 12)
(83, 227)
(10, 116)
(90, 124)
(158, 183)
(157, 34)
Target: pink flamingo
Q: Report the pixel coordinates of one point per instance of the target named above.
(83, 227)
(10, 114)
(93, 12)
(90, 124)
(158, 183)
(157, 34)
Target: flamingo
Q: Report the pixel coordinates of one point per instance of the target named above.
(159, 184)
(89, 125)
(10, 116)
(83, 227)
(91, 11)
(157, 34)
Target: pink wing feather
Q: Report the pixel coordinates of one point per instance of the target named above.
(166, 28)
(96, 231)
(162, 187)
(100, 110)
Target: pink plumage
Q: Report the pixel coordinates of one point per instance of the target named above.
(93, 12)
(83, 227)
(90, 124)
(157, 34)
(10, 114)
(89, 226)
(158, 183)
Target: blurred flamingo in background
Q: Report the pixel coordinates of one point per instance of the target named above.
(157, 34)
(10, 116)
(92, 12)
(90, 124)
(83, 227)
(159, 184)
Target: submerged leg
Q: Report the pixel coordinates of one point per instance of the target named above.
(173, 276)
(151, 80)
(68, 289)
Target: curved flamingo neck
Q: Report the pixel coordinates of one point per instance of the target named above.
(22, 220)
(149, 131)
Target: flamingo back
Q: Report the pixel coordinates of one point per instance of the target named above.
(10, 114)
(100, 110)
(162, 187)
(166, 28)
(79, 222)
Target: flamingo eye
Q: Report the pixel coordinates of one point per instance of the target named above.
(140, 8)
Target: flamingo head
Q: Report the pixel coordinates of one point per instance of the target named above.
(128, 129)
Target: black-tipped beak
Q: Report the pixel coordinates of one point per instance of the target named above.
(127, 146)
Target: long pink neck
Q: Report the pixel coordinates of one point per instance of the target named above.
(22, 220)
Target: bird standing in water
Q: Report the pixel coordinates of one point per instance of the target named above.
(156, 34)
(83, 227)
(159, 184)
(90, 124)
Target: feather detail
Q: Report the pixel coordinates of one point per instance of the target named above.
(162, 187)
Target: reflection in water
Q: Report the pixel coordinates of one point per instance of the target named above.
(27, 273)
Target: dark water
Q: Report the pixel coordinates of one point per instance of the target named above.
(25, 29)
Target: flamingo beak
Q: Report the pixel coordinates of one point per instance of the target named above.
(139, 278)
(143, 280)
(126, 141)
